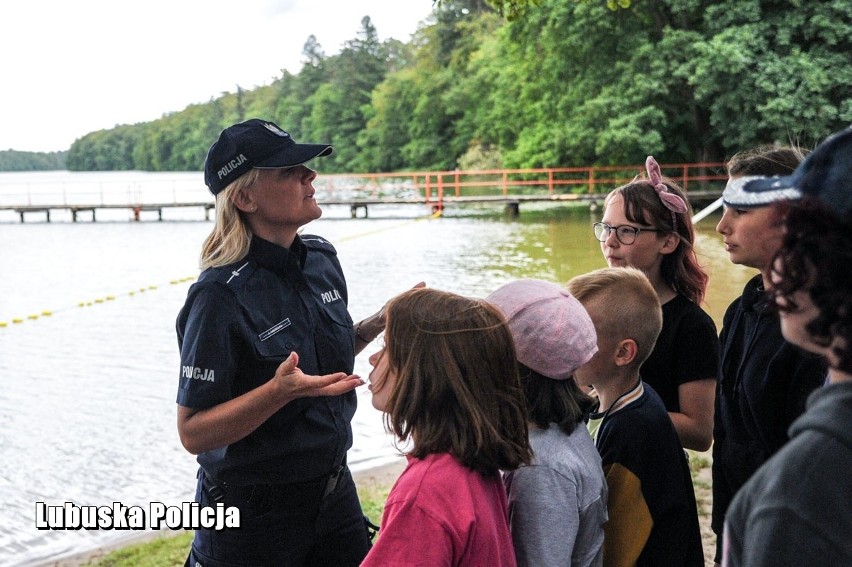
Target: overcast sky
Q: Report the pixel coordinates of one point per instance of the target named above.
(74, 66)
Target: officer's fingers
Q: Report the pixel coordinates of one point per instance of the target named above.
(347, 384)
(304, 385)
(290, 379)
(331, 380)
(289, 365)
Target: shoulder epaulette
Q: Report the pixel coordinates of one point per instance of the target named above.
(315, 242)
(229, 275)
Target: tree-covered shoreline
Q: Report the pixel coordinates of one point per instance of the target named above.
(13, 160)
(563, 83)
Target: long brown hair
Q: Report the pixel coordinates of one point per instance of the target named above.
(680, 269)
(457, 389)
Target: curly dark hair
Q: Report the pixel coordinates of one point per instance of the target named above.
(816, 257)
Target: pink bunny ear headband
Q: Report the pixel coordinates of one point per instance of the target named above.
(671, 201)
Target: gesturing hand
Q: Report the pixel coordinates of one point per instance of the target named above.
(292, 383)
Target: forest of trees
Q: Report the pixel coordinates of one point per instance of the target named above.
(543, 83)
(13, 160)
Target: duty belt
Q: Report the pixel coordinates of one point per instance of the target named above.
(239, 495)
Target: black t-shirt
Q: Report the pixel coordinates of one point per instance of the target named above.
(649, 481)
(686, 350)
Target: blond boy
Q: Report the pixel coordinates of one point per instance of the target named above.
(653, 519)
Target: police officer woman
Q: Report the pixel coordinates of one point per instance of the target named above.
(267, 351)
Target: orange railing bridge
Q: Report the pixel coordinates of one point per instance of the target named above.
(702, 181)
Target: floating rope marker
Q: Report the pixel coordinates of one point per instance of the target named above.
(89, 303)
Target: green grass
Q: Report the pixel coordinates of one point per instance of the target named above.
(161, 552)
(373, 495)
(172, 549)
(699, 465)
(697, 462)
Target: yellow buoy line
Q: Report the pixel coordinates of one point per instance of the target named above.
(145, 289)
(90, 302)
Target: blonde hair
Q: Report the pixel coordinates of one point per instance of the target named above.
(230, 239)
(631, 309)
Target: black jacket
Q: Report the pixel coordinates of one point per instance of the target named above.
(764, 382)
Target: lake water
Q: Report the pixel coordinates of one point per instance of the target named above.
(89, 374)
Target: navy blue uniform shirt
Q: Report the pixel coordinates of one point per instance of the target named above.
(238, 324)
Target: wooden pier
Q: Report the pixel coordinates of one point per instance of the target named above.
(703, 183)
(358, 207)
(75, 210)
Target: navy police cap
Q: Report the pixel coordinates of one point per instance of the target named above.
(254, 144)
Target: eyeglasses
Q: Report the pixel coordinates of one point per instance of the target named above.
(625, 233)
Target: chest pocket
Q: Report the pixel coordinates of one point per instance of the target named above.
(337, 343)
(280, 332)
(323, 337)
(338, 313)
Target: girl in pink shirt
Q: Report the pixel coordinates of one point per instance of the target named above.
(448, 384)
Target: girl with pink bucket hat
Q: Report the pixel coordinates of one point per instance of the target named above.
(557, 504)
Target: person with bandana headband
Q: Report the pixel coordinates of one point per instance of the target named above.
(764, 381)
(795, 510)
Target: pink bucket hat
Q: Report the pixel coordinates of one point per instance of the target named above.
(553, 334)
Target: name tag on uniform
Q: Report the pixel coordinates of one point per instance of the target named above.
(274, 329)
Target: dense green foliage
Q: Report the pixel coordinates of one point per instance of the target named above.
(12, 160)
(550, 83)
